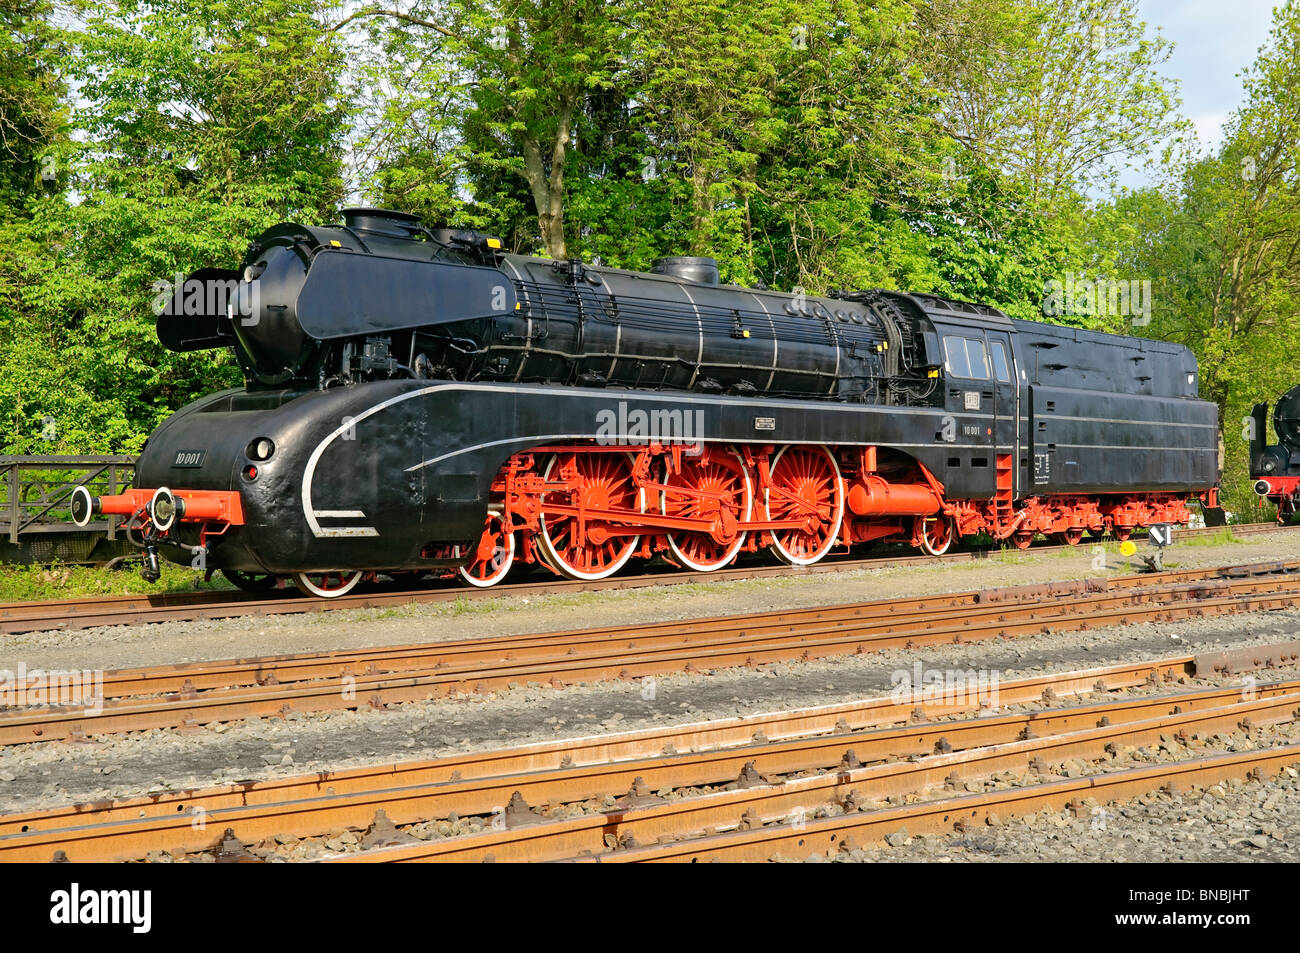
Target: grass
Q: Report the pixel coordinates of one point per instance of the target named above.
(32, 583)
(1223, 537)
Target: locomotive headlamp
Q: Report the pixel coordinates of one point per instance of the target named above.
(261, 448)
(253, 272)
(1262, 487)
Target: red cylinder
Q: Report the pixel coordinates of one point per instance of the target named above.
(875, 496)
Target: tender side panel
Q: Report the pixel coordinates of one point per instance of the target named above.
(1089, 441)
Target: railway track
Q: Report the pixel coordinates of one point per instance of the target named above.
(785, 804)
(721, 784)
(19, 617)
(216, 691)
(961, 813)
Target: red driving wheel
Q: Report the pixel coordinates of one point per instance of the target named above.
(581, 549)
(805, 486)
(722, 475)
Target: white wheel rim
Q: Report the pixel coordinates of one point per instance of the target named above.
(541, 546)
(551, 555)
(784, 554)
(501, 572)
(926, 546)
(545, 557)
(734, 548)
(303, 581)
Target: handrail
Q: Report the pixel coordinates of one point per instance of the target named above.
(33, 487)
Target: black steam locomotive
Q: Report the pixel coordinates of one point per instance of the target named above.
(418, 400)
(1276, 469)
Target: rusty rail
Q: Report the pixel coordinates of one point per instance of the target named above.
(854, 740)
(957, 813)
(352, 680)
(611, 835)
(19, 617)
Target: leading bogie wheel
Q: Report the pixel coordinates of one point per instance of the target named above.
(806, 482)
(329, 584)
(605, 482)
(716, 472)
(493, 555)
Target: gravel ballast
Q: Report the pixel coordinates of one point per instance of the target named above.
(38, 775)
(199, 639)
(119, 765)
(1235, 822)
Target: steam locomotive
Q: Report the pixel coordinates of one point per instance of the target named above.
(416, 399)
(1276, 469)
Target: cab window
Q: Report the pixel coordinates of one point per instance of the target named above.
(966, 357)
(1001, 370)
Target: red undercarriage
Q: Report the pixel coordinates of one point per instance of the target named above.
(586, 510)
(1284, 492)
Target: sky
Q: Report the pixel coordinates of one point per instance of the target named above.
(1214, 40)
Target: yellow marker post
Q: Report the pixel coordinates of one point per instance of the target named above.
(1127, 549)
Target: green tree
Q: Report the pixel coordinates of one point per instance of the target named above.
(30, 99)
(1059, 93)
(519, 73)
(199, 125)
(790, 128)
(1221, 243)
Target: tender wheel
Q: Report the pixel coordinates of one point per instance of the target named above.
(805, 482)
(717, 472)
(1122, 533)
(1070, 537)
(493, 556)
(328, 585)
(604, 482)
(250, 581)
(1022, 540)
(937, 534)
